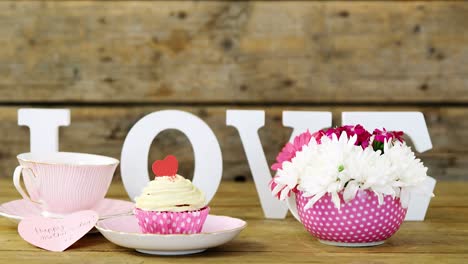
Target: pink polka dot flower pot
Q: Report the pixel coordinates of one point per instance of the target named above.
(348, 186)
(359, 222)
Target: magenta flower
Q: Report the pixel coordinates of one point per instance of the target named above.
(318, 136)
(384, 135)
(332, 131)
(398, 135)
(363, 136)
(289, 150)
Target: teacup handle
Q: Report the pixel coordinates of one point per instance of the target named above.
(291, 201)
(17, 182)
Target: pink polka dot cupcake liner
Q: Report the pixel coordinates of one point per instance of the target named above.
(359, 222)
(165, 223)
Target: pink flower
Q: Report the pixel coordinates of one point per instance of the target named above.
(289, 150)
(287, 153)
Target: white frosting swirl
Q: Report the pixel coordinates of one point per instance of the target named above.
(174, 194)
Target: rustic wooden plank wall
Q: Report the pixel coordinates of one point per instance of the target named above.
(112, 62)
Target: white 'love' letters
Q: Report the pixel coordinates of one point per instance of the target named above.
(44, 125)
(247, 123)
(207, 153)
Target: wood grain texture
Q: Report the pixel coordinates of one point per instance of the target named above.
(441, 238)
(225, 52)
(113, 62)
(102, 130)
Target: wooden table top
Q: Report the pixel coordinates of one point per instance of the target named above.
(441, 238)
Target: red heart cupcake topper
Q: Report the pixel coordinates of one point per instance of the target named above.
(166, 167)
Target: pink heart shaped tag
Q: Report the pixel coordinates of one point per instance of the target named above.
(57, 234)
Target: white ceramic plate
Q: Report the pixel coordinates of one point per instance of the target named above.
(18, 209)
(125, 232)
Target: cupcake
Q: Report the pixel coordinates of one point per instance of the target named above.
(170, 204)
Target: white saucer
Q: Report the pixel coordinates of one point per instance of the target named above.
(124, 231)
(18, 209)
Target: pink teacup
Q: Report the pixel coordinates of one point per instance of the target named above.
(64, 182)
(359, 222)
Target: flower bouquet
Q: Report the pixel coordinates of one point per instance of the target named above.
(351, 187)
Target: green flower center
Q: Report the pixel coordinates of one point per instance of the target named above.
(340, 168)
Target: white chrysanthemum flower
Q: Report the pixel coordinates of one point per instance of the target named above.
(367, 170)
(324, 166)
(338, 165)
(408, 173)
(287, 178)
